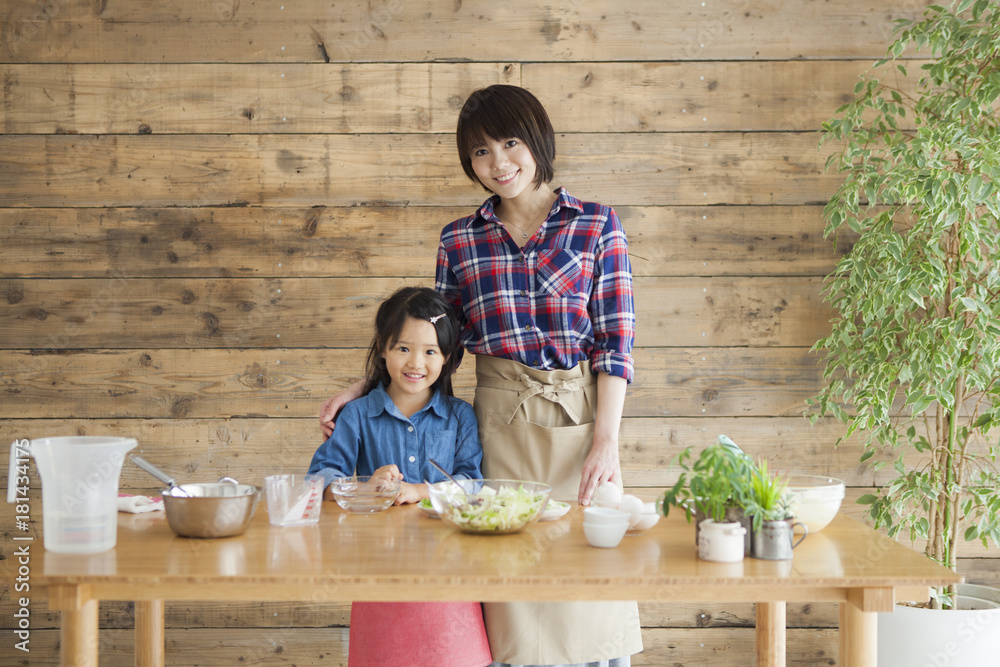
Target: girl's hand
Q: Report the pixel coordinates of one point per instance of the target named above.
(331, 406)
(411, 493)
(389, 473)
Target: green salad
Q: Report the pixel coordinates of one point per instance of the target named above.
(491, 510)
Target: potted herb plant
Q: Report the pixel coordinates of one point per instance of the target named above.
(771, 518)
(913, 358)
(715, 485)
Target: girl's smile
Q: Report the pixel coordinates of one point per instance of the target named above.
(414, 363)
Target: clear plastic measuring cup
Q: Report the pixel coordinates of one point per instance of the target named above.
(293, 500)
(79, 490)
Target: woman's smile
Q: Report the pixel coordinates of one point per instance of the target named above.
(507, 178)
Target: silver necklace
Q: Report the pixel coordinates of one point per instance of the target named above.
(524, 234)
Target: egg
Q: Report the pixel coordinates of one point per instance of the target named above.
(633, 506)
(607, 495)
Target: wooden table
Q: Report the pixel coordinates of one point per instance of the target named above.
(402, 555)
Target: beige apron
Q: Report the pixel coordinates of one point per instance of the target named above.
(539, 426)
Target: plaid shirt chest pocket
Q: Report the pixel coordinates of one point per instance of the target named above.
(564, 273)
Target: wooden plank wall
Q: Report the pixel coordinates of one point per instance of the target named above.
(201, 203)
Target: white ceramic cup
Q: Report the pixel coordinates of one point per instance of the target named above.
(720, 542)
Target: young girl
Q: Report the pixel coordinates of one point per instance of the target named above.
(542, 287)
(406, 416)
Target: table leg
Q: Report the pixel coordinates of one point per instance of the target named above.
(858, 636)
(770, 634)
(78, 638)
(149, 633)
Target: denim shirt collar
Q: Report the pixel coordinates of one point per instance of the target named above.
(379, 401)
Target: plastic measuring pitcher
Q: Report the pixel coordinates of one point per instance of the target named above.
(79, 489)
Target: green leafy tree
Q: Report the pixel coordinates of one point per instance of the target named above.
(913, 359)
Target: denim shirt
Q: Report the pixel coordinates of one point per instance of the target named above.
(371, 432)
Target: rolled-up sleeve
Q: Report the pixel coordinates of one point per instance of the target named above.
(612, 307)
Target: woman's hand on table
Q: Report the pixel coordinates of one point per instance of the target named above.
(601, 465)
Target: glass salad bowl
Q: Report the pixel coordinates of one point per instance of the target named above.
(489, 506)
(815, 499)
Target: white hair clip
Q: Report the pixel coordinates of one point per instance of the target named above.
(436, 318)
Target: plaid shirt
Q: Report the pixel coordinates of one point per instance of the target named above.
(566, 296)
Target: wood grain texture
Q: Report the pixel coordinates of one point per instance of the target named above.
(337, 312)
(261, 98)
(327, 647)
(248, 448)
(697, 97)
(118, 614)
(166, 167)
(382, 241)
(552, 556)
(763, 168)
(220, 383)
(203, 449)
(393, 30)
(241, 99)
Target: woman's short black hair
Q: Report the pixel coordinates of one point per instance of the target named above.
(503, 112)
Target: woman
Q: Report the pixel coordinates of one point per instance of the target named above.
(542, 287)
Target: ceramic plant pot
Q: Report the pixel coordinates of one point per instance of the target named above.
(732, 514)
(721, 542)
(965, 637)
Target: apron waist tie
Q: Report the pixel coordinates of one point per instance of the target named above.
(527, 387)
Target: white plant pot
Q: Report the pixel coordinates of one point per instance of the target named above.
(965, 637)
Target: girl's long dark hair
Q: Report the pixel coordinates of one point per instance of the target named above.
(421, 303)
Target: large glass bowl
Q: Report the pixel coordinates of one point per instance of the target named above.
(364, 495)
(489, 506)
(815, 499)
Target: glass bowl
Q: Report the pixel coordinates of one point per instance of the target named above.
(362, 495)
(489, 506)
(815, 499)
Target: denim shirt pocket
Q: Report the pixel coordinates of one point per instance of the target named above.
(440, 446)
(564, 273)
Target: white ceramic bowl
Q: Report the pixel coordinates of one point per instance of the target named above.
(646, 521)
(815, 499)
(605, 516)
(605, 535)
